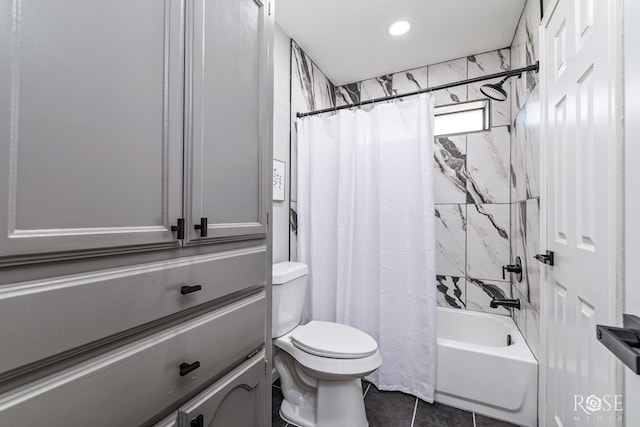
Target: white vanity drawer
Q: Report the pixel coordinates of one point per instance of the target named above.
(128, 386)
(46, 317)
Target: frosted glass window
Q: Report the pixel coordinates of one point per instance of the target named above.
(467, 117)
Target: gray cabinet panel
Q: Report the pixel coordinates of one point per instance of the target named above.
(228, 114)
(91, 113)
(128, 386)
(170, 421)
(236, 400)
(54, 315)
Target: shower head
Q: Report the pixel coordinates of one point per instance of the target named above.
(495, 91)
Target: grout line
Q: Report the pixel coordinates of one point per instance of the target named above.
(366, 391)
(474, 419)
(415, 409)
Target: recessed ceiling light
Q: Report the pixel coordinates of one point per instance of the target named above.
(399, 28)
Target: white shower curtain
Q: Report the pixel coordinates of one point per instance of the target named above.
(366, 230)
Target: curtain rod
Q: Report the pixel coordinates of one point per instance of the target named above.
(509, 73)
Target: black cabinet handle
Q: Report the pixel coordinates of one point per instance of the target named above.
(186, 368)
(179, 229)
(187, 289)
(198, 421)
(203, 227)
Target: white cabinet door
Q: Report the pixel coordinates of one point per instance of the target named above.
(228, 118)
(91, 103)
(580, 143)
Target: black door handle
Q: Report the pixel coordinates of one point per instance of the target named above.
(624, 343)
(198, 421)
(547, 258)
(187, 289)
(186, 368)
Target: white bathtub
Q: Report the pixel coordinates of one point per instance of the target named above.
(477, 371)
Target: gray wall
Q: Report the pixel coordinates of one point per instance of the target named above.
(281, 95)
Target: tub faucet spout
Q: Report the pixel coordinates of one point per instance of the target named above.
(513, 303)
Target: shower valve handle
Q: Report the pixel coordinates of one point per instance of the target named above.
(512, 268)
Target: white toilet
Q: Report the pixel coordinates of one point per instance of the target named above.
(320, 364)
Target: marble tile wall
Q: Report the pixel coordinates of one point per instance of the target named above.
(310, 90)
(434, 75)
(525, 174)
(524, 52)
(450, 178)
(448, 72)
(472, 180)
(489, 63)
(472, 177)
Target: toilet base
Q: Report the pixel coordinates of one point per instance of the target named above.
(339, 404)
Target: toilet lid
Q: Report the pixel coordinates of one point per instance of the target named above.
(328, 339)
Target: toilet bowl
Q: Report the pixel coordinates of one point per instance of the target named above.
(321, 363)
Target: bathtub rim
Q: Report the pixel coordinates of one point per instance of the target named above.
(519, 353)
(519, 350)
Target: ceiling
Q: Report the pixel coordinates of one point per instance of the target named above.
(348, 39)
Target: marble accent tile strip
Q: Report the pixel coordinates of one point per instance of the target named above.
(451, 291)
(530, 68)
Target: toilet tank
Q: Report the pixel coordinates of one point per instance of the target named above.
(289, 288)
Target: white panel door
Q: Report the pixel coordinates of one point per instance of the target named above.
(580, 167)
(91, 96)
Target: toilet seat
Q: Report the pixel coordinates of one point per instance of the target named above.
(333, 340)
(329, 367)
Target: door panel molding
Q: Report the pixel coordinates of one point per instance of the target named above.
(20, 235)
(582, 56)
(200, 201)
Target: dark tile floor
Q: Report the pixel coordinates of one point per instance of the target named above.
(395, 409)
